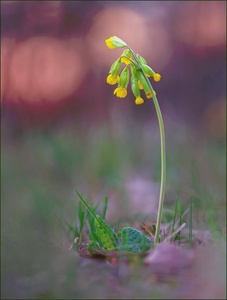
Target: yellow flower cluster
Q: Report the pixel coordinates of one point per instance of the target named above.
(139, 72)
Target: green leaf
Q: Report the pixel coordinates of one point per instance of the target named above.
(105, 207)
(134, 240)
(92, 231)
(100, 231)
(106, 234)
(81, 216)
(72, 229)
(175, 211)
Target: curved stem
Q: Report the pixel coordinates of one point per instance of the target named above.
(163, 169)
(129, 59)
(163, 151)
(163, 160)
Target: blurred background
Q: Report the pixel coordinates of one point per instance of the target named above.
(63, 130)
(54, 60)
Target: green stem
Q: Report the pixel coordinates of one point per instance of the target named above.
(163, 151)
(163, 160)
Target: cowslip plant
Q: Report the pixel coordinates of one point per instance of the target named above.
(104, 237)
(135, 68)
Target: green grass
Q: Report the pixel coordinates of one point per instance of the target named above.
(40, 174)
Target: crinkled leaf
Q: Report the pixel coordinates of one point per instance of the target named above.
(134, 240)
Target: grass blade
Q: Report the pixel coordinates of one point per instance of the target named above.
(190, 223)
(81, 217)
(85, 203)
(105, 207)
(175, 211)
(100, 231)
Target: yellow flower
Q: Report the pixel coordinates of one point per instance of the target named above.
(120, 92)
(157, 77)
(139, 100)
(112, 79)
(140, 85)
(126, 57)
(115, 42)
(125, 60)
(109, 43)
(149, 94)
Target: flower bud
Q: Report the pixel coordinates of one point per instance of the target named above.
(115, 42)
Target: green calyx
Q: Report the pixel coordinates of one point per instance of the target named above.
(124, 77)
(141, 59)
(116, 67)
(134, 86)
(145, 85)
(148, 70)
